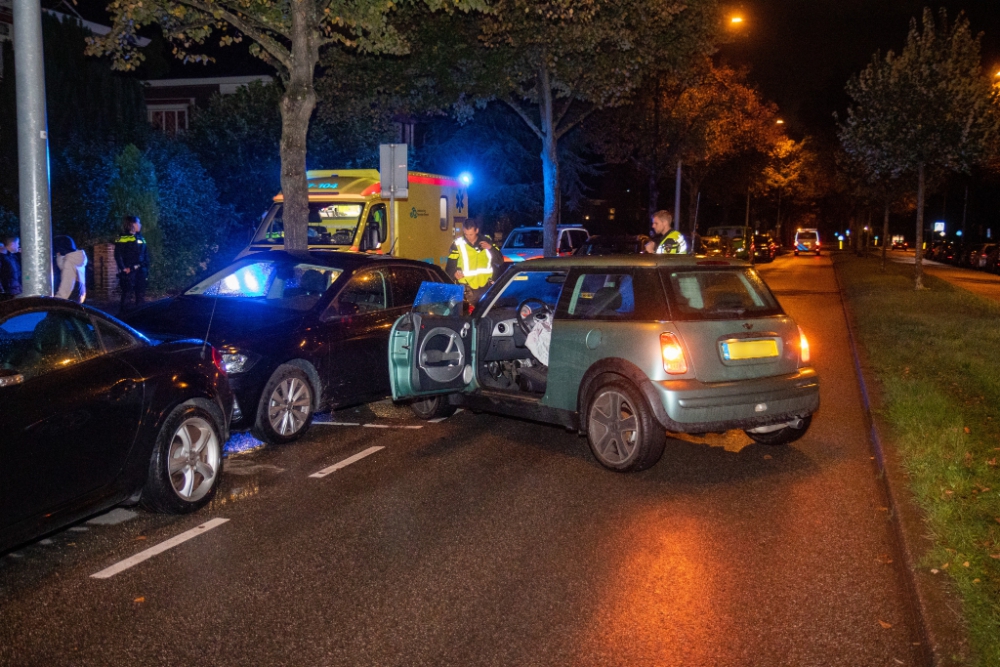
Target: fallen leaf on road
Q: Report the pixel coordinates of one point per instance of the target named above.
(945, 566)
(767, 457)
(975, 581)
(139, 600)
(934, 570)
(966, 429)
(884, 624)
(995, 556)
(965, 564)
(141, 537)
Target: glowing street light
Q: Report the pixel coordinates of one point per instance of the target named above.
(779, 122)
(736, 20)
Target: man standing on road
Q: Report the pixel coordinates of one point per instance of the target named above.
(10, 266)
(132, 258)
(666, 240)
(473, 261)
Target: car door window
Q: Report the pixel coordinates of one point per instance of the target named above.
(543, 285)
(366, 292)
(40, 342)
(565, 242)
(624, 295)
(114, 338)
(406, 281)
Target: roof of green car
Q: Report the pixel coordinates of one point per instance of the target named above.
(644, 260)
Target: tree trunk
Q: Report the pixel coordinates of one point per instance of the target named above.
(297, 106)
(777, 223)
(885, 233)
(918, 261)
(550, 164)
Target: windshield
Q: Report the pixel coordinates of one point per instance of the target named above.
(297, 286)
(532, 238)
(719, 294)
(330, 223)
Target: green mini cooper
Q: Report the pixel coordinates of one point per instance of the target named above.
(621, 348)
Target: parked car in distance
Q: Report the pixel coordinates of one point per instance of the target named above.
(614, 244)
(94, 415)
(620, 348)
(296, 332)
(524, 243)
(735, 239)
(764, 248)
(807, 240)
(900, 245)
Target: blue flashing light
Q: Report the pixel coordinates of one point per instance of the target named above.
(958, 233)
(465, 178)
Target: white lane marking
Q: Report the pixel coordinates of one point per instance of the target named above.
(346, 462)
(121, 566)
(389, 426)
(338, 423)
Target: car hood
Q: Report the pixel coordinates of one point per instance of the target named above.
(234, 322)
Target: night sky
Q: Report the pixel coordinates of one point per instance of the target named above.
(801, 52)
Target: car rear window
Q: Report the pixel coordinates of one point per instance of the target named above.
(718, 294)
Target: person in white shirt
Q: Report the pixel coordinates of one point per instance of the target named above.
(71, 265)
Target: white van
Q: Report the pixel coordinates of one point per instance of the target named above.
(807, 240)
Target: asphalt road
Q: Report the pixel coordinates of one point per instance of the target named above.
(483, 540)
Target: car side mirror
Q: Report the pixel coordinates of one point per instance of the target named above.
(9, 377)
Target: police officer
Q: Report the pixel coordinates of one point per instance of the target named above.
(473, 261)
(666, 240)
(132, 258)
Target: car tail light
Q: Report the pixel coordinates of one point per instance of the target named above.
(673, 354)
(217, 360)
(803, 346)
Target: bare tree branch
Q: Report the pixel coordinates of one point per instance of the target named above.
(524, 116)
(245, 25)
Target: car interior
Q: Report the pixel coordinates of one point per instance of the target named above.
(505, 361)
(34, 343)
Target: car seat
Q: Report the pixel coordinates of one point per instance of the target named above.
(607, 300)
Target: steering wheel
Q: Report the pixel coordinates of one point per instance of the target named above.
(529, 311)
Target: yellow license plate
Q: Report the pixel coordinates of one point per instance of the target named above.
(734, 350)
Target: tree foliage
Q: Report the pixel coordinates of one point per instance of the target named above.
(931, 106)
(290, 35)
(556, 62)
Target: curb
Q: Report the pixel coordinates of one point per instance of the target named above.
(941, 623)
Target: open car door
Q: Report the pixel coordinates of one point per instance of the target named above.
(431, 347)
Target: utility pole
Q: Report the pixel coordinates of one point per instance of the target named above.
(677, 203)
(33, 150)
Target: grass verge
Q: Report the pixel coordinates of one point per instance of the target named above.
(936, 357)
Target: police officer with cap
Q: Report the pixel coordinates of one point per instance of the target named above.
(132, 258)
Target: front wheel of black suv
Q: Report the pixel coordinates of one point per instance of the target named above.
(286, 407)
(622, 432)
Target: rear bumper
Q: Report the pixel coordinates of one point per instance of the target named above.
(689, 406)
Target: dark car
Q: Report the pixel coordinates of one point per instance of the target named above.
(614, 244)
(296, 332)
(901, 245)
(764, 248)
(94, 415)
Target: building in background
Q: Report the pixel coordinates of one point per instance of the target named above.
(169, 101)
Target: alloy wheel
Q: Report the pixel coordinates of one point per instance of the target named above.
(289, 405)
(614, 427)
(194, 458)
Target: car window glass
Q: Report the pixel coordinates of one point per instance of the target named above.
(719, 294)
(406, 281)
(544, 285)
(329, 224)
(527, 239)
(40, 342)
(366, 292)
(634, 295)
(114, 338)
(297, 286)
(565, 242)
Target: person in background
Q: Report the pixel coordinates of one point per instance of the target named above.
(473, 261)
(10, 266)
(71, 265)
(132, 258)
(665, 240)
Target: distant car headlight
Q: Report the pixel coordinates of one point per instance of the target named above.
(235, 362)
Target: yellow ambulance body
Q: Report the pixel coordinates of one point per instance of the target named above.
(347, 212)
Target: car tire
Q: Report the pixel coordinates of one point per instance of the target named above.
(621, 430)
(785, 436)
(435, 407)
(285, 411)
(186, 464)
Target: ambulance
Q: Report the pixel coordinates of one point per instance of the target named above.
(347, 212)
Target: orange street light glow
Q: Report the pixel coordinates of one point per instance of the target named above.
(779, 122)
(736, 19)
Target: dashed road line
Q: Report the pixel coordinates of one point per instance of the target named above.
(390, 426)
(121, 566)
(346, 462)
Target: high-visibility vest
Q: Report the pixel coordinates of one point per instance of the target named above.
(680, 244)
(477, 264)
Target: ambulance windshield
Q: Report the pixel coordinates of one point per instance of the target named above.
(330, 223)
